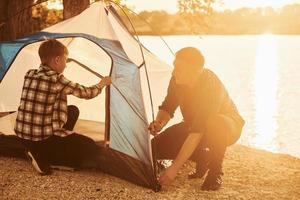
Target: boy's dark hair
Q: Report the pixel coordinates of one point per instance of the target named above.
(191, 55)
(50, 49)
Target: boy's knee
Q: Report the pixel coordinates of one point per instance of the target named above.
(72, 109)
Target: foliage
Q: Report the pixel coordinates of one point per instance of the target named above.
(195, 17)
(196, 13)
(242, 21)
(44, 17)
(196, 6)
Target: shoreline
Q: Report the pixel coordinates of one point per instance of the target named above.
(249, 174)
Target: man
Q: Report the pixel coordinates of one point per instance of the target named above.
(44, 121)
(211, 121)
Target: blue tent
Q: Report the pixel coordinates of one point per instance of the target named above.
(108, 50)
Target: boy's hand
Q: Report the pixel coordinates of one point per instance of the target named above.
(155, 127)
(105, 81)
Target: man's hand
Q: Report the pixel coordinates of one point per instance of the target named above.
(160, 121)
(105, 81)
(167, 176)
(155, 127)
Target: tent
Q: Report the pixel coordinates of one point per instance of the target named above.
(118, 118)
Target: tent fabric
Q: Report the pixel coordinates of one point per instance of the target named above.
(106, 47)
(124, 122)
(7, 122)
(81, 48)
(157, 70)
(96, 18)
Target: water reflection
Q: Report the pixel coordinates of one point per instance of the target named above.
(266, 86)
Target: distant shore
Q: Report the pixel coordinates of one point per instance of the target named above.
(249, 174)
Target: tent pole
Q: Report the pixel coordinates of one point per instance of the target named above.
(156, 187)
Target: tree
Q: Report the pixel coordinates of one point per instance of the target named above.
(43, 17)
(158, 21)
(74, 7)
(15, 19)
(195, 13)
(196, 6)
(116, 1)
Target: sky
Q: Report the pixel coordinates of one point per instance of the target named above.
(171, 5)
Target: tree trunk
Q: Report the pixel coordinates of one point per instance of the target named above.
(74, 7)
(15, 19)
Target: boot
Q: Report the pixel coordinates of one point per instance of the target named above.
(202, 162)
(213, 181)
(199, 172)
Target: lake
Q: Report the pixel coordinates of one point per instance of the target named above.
(261, 73)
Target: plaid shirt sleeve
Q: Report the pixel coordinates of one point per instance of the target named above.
(67, 87)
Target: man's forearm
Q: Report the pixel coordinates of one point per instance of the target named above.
(163, 117)
(188, 147)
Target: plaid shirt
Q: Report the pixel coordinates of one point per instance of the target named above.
(43, 107)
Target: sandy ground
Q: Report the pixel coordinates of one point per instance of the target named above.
(249, 174)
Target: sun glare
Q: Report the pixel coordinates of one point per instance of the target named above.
(55, 5)
(266, 86)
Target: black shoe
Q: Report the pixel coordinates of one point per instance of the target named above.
(213, 181)
(199, 172)
(202, 162)
(40, 166)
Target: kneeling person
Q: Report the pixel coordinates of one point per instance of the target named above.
(44, 121)
(211, 121)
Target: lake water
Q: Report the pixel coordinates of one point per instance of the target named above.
(261, 73)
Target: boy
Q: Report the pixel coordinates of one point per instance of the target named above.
(44, 121)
